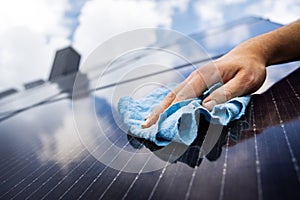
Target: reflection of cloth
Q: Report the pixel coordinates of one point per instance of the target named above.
(179, 122)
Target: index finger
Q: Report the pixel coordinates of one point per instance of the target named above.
(192, 87)
(153, 117)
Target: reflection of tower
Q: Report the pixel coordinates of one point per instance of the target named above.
(66, 62)
(65, 70)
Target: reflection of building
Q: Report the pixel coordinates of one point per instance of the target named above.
(65, 71)
(8, 92)
(259, 163)
(33, 84)
(66, 62)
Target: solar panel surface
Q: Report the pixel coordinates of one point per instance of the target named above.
(256, 157)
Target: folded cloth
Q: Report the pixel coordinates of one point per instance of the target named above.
(179, 122)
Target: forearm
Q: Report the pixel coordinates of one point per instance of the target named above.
(242, 70)
(278, 46)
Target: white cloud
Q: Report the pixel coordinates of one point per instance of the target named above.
(209, 12)
(217, 41)
(38, 15)
(279, 11)
(100, 20)
(30, 32)
(234, 1)
(212, 13)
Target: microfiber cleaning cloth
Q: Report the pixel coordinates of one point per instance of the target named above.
(179, 122)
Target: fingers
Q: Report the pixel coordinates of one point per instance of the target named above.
(168, 100)
(153, 117)
(198, 82)
(184, 91)
(233, 88)
(192, 87)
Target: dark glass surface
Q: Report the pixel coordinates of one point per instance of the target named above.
(256, 157)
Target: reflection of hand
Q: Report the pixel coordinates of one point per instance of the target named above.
(242, 70)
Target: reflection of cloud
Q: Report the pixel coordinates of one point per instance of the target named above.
(41, 16)
(30, 31)
(279, 11)
(212, 13)
(147, 60)
(276, 73)
(100, 20)
(208, 12)
(228, 38)
(53, 131)
(57, 145)
(47, 131)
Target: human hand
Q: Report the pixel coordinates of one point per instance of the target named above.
(241, 71)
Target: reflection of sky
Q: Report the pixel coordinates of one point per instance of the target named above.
(45, 136)
(276, 73)
(57, 127)
(28, 43)
(54, 135)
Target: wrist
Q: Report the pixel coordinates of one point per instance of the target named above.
(256, 49)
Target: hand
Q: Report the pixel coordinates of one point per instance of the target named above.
(241, 71)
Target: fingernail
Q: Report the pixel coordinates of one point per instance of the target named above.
(145, 124)
(210, 104)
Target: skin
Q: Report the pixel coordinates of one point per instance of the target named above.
(242, 70)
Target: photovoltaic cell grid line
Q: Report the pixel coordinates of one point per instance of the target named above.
(257, 109)
(262, 164)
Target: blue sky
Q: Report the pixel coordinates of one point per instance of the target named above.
(32, 30)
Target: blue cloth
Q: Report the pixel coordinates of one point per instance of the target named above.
(179, 122)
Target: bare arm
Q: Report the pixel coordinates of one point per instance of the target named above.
(279, 46)
(242, 70)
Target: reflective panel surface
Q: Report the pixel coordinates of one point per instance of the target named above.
(44, 153)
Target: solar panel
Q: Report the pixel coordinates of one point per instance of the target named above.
(256, 157)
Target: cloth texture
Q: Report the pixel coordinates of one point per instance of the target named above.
(179, 122)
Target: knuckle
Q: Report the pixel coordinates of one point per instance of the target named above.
(252, 77)
(249, 78)
(229, 93)
(170, 96)
(151, 119)
(250, 82)
(197, 75)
